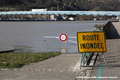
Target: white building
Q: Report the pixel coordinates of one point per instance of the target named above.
(39, 9)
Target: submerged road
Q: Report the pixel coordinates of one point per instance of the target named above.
(29, 36)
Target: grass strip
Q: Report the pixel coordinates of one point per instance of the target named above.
(16, 60)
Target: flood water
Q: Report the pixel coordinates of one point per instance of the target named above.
(28, 36)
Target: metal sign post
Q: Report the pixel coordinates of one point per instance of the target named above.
(64, 38)
(84, 61)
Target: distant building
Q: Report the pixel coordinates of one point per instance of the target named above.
(39, 9)
(71, 19)
(53, 17)
(94, 19)
(117, 18)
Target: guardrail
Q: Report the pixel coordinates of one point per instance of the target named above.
(94, 13)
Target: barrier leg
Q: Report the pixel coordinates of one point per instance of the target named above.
(105, 60)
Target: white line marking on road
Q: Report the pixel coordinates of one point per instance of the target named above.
(72, 41)
(51, 37)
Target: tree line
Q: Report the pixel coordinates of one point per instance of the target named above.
(80, 5)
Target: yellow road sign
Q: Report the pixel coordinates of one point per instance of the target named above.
(91, 42)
